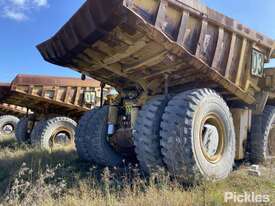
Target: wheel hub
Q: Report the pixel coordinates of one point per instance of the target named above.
(271, 141)
(7, 129)
(122, 141)
(62, 137)
(212, 138)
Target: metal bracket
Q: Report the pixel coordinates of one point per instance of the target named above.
(102, 85)
(261, 100)
(166, 84)
(28, 112)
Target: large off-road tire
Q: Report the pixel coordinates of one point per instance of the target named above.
(7, 126)
(198, 137)
(54, 132)
(36, 131)
(81, 144)
(93, 126)
(146, 134)
(262, 137)
(21, 131)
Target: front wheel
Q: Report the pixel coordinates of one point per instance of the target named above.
(198, 137)
(7, 126)
(54, 133)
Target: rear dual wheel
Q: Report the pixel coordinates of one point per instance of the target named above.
(196, 139)
(147, 135)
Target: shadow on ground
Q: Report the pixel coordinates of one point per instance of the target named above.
(11, 143)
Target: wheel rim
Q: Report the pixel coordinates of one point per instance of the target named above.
(271, 141)
(8, 129)
(61, 137)
(212, 138)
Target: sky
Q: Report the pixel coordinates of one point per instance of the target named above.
(26, 23)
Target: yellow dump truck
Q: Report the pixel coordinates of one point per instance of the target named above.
(193, 92)
(52, 106)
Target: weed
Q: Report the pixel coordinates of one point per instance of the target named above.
(38, 178)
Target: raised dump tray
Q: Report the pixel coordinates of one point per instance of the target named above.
(55, 95)
(12, 110)
(133, 43)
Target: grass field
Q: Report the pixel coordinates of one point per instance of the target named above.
(32, 177)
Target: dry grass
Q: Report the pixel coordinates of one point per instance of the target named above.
(32, 177)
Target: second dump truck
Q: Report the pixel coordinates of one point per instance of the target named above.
(53, 106)
(193, 92)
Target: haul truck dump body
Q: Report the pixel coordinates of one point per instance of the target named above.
(133, 43)
(56, 95)
(193, 92)
(55, 104)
